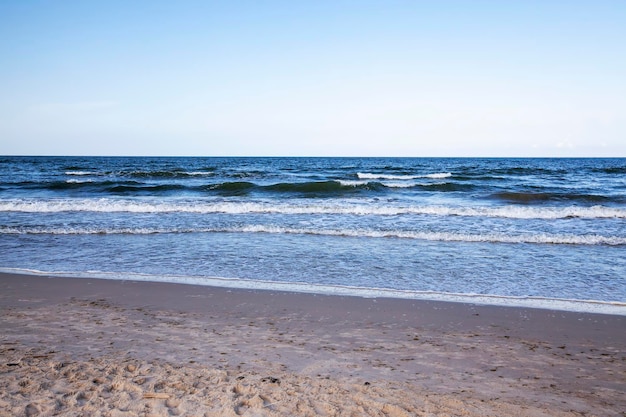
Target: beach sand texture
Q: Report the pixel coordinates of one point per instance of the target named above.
(117, 348)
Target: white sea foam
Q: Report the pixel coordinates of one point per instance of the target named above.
(92, 230)
(540, 238)
(352, 183)
(199, 173)
(560, 304)
(140, 173)
(370, 176)
(76, 181)
(105, 205)
(79, 173)
(388, 184)
(399, 184)
(439, 175)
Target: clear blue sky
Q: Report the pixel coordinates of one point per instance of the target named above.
(328, 78)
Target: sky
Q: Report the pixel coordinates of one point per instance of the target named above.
(313, 78)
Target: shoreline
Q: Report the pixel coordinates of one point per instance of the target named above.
(276, 353)
(536, 302)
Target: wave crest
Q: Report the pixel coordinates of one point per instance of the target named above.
(541, 238)
(107, 205)
(372, 176)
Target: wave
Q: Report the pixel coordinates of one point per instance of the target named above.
(75, 184)
(164, 174)
(433, 186)
(331, 188)
(236, 187)
(87, 185)
(525, 171)
(322, 187)
(535, 197)
(446, 187)
(611, 170)
(540, 238)
(308, 187)
(562, 304)
(141, 174)
(80, 173)
(76, 168)
(124, 189)
(370, 176)
(79, 181)
(439, 236)
(108, 205)
(311, 188)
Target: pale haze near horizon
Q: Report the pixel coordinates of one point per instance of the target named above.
(328, 78)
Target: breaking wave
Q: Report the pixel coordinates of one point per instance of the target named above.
(107, 205)
(371, 176)
(541, 238)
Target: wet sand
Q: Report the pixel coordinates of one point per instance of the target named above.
(73, 346)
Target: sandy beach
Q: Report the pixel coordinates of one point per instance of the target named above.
(92, 347)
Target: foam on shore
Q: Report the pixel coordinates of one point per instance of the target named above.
(559, 304)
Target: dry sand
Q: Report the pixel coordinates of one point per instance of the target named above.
(113, 348)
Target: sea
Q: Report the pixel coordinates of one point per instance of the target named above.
(548, 233)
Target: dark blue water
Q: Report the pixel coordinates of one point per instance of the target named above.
(553, 228)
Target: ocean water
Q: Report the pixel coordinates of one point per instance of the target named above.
(529, 231)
